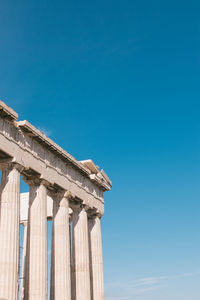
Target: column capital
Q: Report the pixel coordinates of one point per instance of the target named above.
(9, 164)
(60, 196)
(68, 195)
(79, 206)
(93, 213)
(56, 194)
(36, 180)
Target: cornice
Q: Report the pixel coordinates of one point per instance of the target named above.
(82, 166)
(7, 112)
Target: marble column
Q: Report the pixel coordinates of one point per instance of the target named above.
(80, 255)
(9, 232)
(36, 262)
(23, 261)
(60, 254)
(70, 239)
(96, 258)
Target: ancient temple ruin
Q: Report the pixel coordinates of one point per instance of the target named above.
(69, 192)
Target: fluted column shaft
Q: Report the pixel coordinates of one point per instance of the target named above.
(36, 264)
(60, 255)
(96, 259)
(9, 233)
(23, 261)
(80, 253)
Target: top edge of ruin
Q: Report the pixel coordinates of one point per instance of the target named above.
(86, 166)
(7, 112)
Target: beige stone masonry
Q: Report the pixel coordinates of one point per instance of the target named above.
(76, 189)
(9, 232)
(60, 254)
(96, 258)
(23, 272)
(80, 255)
(36, 258)
(30, 148)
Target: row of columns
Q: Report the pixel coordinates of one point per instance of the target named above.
(77, 273)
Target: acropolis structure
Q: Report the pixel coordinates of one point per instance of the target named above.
(67, 191)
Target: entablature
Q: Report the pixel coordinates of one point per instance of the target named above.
(39, 155)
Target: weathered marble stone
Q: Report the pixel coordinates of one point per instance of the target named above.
(9, 232)
(80, 255)
(36, 258)
(60, 254)
(76, 189)
(96, 258)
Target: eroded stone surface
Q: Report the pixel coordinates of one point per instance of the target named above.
(62, 189)
(38, 154)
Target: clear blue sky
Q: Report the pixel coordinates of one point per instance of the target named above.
(119, 82)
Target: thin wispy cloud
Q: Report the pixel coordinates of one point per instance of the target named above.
(145, 285)
(118, 298)
(147, 289)
(187, 275)
(149, 280)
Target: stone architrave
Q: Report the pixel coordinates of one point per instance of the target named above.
(60, 254)
(9, 232)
